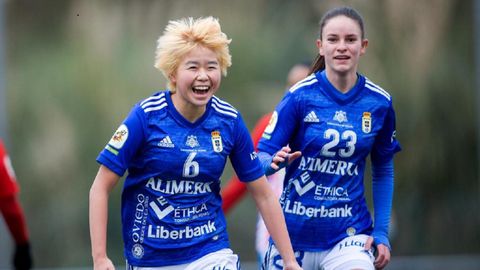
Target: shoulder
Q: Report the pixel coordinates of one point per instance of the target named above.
(377, 92)
(156, 104)
(303, 85)
(224, 109)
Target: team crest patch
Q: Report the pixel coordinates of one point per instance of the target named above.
(271, 124)
(137, 251)
(217, 141)
(119, 137)
(340, 116)
(367, 122)
(192, 141)
(351, 231)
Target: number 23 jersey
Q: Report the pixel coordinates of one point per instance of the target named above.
(323, 199)
(171, 207)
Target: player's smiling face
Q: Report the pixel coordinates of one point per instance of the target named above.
(197, 77)
(342, 44)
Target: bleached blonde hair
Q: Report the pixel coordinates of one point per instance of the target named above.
(181, 36)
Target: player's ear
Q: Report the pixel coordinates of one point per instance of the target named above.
(320, 47)
(364, 46)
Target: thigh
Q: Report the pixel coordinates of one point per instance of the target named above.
(350, 253)
(307, 260)
(218, 260)
(170, 267)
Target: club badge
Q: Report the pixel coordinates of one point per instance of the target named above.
(217, 141)
(366, 122)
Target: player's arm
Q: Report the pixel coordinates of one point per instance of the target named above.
(98, 216)
(234, 190)
(385, 147)
(269, 207)
(15, 220)
(272, 163)
(232, 193)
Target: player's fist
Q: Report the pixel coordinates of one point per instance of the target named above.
(22, 258)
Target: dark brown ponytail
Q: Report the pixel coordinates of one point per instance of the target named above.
(318, 64)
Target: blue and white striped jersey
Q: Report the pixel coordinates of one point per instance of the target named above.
(171, 206)
(323, 198)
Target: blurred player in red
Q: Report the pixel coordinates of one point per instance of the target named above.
(235, 189)
(13, 213)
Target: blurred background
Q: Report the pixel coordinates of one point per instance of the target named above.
(72, 69)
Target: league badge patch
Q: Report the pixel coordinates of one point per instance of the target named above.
(217, 141)
(271, 125)
(366, 122)
(118, 139)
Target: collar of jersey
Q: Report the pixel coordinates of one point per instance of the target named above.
(180, 117)
(334, 93)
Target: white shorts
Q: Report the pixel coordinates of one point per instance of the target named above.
(218, 260)
(349, 253)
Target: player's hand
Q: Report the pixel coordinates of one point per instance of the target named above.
(292, 266)
(284, 157)
(22, 258)
(383, 254)
(103, 264)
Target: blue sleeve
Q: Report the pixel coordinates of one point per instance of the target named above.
(124, 143)
(281, 127)
(382, 189)
(243, 157)
(266, 161)
(386, 144)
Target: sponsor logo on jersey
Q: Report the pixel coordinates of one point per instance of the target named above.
(271, 125)
(137, 251)
(118, 139)
(186, 233)
(192, 141)
(328, 166)
(166, 142)
(297, 208)
(163, 210)
(334, 193)
(303, 184)
(161, 207)
(340, 116)
(140, 218)
(178, 186)
(221, 267)
(311, 118)
(181, 215)
(351, 243)
(217, 141)
(366, 122)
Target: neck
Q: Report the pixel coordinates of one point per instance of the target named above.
(189, 111)
(343, 82)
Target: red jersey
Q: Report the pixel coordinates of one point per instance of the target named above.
(8, 182)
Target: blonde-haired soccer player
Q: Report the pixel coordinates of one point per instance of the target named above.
(174, 145)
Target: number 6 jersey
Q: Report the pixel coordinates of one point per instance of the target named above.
(171, 207)
(323, 199)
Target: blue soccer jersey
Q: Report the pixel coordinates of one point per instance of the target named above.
(171, 206)
(323, 199)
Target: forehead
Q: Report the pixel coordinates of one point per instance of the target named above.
(340, 25)
(200, 54)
